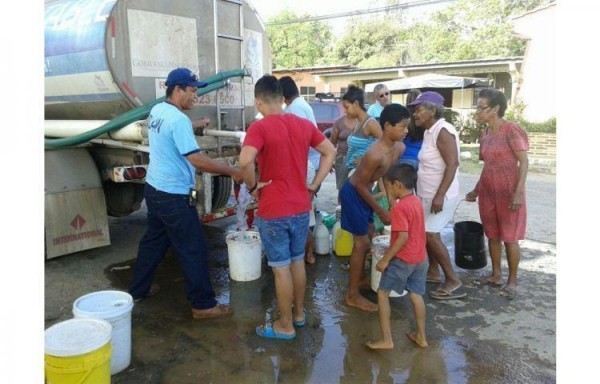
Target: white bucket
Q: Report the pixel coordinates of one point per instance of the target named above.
(380, 245)
(245, 255)
(114, 307)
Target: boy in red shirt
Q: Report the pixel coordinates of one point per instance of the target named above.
(404, 265)
(279, 143)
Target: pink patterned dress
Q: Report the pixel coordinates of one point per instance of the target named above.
(498, 181)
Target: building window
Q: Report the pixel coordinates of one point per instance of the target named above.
(308, 93)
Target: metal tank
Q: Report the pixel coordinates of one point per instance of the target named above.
(105, 57)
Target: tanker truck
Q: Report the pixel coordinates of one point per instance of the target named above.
(106, 62)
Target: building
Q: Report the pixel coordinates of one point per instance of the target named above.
(537, 85)
(505, 74)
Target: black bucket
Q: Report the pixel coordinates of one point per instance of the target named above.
(469, 245)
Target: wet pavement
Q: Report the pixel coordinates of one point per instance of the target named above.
(480, 339)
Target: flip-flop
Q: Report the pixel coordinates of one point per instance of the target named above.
(442, 294)
(507, 292)
(268, 332)
(301, 323)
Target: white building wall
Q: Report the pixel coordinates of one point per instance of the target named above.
(538, 87)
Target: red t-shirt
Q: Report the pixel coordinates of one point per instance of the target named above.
(407, 216)
(282, 142)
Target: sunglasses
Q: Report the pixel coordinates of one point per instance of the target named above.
(384, 94)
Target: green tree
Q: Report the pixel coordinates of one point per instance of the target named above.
(465, 30)
(468, 30)
(298, 44)
(370, 43)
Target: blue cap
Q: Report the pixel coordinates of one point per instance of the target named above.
(432, 97)
(184, 77)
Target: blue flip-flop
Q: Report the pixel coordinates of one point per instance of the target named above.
(302, 322)
(268, 332)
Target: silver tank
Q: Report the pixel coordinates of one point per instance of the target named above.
(105, 57)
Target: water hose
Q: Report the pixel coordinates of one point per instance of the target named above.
(140, 113)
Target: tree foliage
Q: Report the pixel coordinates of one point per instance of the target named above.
(299, 44)
(464, 30)
(369, 43)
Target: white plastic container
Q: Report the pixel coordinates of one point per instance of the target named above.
(380, 244)
(321, 240)
(245, 255)
(114, 307)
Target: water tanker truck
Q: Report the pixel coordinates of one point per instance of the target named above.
(106, 62)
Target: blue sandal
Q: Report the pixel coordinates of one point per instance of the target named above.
(302, 322)
(268, 331)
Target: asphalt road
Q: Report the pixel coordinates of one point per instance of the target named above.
(481, 339)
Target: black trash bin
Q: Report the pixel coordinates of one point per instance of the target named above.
(469, 245)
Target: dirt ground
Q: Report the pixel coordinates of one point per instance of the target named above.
(480, 339)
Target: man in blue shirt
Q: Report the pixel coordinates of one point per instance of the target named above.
(382, 98)
(172, 218)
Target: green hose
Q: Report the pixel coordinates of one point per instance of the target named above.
(140, 113)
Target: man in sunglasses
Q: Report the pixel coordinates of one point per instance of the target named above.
(382, 98)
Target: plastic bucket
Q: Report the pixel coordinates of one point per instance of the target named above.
(78, 351)
(114, 307)
(245, 255)
(469, 245)
(380, 244)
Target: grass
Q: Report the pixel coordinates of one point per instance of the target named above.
(472, 165)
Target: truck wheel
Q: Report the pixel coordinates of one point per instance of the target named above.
(222, 186)
(123, 199)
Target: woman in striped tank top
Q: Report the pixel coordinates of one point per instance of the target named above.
(366, 132)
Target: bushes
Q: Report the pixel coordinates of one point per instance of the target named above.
(515, 113)
(469, 130)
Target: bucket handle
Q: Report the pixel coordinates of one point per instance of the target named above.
(456, 209)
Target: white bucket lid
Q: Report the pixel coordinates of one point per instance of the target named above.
(103, 304)
(76, 337)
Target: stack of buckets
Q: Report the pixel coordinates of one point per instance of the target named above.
(342, 240)
(95, 344)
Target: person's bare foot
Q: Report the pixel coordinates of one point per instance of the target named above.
(421, 342)
(449, 286)
(495, 281)
(309, 258)
(380, 344)
(361, 303)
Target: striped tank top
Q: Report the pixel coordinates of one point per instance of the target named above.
(358, 143)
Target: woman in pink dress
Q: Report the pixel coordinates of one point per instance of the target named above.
(501, 187)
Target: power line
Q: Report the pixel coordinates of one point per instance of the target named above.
(361, 12)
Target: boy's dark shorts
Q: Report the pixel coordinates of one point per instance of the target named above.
(356, 213)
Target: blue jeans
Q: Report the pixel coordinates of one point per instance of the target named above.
(283, 238)
(172, 222)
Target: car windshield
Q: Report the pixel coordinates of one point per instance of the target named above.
(325, 111)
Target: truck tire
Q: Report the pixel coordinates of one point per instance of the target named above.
(222, 186)
(123, 199)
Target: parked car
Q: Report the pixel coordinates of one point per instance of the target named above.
(326, 113)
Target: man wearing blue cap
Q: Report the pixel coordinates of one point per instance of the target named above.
(172, 217)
